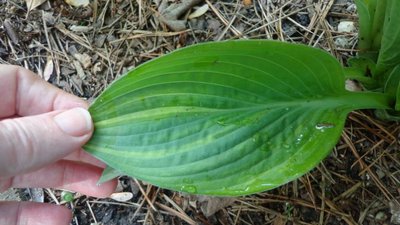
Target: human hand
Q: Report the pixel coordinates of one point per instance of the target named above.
(42, 130)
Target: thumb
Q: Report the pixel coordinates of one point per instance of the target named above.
(29, 143)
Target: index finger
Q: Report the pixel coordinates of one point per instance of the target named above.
(23, 93)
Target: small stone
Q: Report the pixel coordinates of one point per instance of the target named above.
(395, 211)
(351, 8)
(346, 27)
(381, 216)
(352, 86)
(342, 42)
(303, 19)
(380, 173)
(289, 29)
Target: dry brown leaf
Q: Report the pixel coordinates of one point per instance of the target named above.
(210, 205)
(199, 11)
(170, 14)
(77, 3)
(32, 4)
(279, 221)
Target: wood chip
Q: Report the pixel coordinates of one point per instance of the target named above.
(32, 4)
(76, 82)
(84, 59)
(199, 11)
(10, 31)
(83, 29)
(78, 3)
(121, 196)
(79, 70)
(48, 69)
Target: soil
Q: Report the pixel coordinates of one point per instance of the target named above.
(81, 50)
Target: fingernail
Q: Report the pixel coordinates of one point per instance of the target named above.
(74, 122)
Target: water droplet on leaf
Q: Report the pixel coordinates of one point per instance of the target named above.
(299, 139)
(189, 188)
(323, 126)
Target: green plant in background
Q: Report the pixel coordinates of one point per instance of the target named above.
(239, 117)
(67, 196)
(379, 44)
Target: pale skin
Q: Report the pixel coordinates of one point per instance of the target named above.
(42, 131)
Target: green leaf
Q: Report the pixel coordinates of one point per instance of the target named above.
(389, 54)
(366, 14)
(379, 19)
(392, 85)
(67, 196)
(109, 174)
(365, 20)
(361, 69)
(225, 118)
(397, 105)
(389, 115)
(365, 65)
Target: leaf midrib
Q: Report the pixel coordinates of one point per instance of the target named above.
(324, 102)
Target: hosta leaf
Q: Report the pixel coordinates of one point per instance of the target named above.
(225, 118)
(379, 19)
(389, 54)
(392, 85)
(397, 105)
(370, 16)
(392, 88)
(390, 115)
(359, 69)
(109, 174)
(365, 22)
